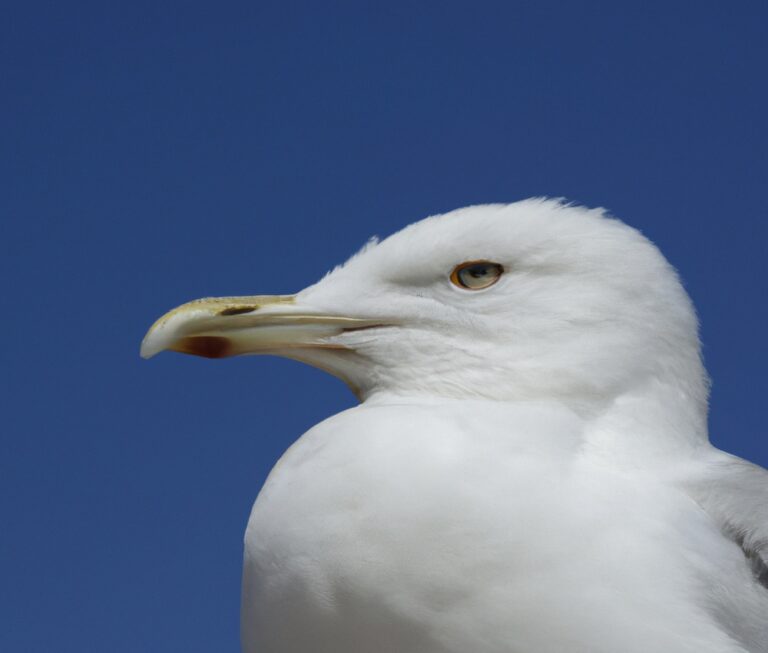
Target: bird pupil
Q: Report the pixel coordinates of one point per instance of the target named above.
(478, 271)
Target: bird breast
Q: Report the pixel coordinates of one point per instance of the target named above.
(423, 528)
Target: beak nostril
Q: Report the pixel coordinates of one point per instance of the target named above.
(238, 310)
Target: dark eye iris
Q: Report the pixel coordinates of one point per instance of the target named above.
(476, 275)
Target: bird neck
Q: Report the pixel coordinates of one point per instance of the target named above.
(651, 422)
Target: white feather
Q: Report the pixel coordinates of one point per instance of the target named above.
(529, 471)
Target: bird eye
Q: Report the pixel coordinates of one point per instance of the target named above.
(476, 275)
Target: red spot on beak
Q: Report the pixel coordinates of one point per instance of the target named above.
(205, 346)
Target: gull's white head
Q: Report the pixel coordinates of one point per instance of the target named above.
(520, 301)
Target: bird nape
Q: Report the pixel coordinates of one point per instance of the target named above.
(529, 468)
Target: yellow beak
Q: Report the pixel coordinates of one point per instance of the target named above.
(230, 326)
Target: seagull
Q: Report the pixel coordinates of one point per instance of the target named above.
(528, 470)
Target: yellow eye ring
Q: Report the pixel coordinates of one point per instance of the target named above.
(476, 275)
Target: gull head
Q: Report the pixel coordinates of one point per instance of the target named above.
(519, 301)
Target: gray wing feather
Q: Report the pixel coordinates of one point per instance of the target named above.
(734, 493)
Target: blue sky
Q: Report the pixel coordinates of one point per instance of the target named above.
(154, 153)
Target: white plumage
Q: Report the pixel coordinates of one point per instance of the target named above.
(529, 469)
